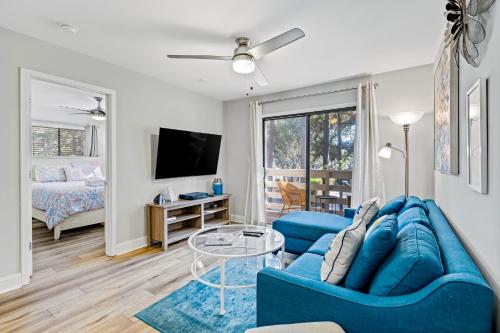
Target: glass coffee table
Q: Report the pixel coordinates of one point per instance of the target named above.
(231, 245)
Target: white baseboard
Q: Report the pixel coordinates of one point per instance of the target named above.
(131, 245)
(10, 282)
(237, 218)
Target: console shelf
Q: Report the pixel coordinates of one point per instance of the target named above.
(180, 234)
(183, 217)
(215, 223)
(190, 217)
(209, 211)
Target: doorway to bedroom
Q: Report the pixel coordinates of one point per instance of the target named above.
(65, 144)
(68, 144)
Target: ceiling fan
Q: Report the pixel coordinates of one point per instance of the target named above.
(96, 114)
(244, 56)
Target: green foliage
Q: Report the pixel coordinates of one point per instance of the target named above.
(285, 138)
(316, 181)
(331, 141)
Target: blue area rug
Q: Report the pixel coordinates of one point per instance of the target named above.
(195, 307)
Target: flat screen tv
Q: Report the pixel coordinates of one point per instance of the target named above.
(184, 153)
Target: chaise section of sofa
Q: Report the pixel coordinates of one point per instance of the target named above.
(459, 301)
(301, 229)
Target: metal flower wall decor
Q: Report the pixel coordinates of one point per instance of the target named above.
(465, 28)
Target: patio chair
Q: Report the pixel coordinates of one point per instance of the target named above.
(292, 196)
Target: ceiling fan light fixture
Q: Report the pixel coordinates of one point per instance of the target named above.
(243, 64)
(98, 117)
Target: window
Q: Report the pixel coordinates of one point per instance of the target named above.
(52, 141)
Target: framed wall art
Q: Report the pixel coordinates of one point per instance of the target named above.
(477, 136)
(446, 112)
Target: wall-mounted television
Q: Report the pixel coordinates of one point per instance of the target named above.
(184, 153)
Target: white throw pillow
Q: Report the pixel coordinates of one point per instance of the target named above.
(346, 244)
(368, 210)
(83, 172)
(46, 173)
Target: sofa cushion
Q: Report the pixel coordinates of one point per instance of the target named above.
(380, 241)
(349, 212)
(414, 263)
(393, 206)
(414, 215)
(374, 225)
(310, 225)
(414, 202)
(307, 265)
(322, 245)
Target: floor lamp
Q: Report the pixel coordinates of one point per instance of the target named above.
(404, 119)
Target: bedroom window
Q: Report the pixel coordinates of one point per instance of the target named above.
(52, 141)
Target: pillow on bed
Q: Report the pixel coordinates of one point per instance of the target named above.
(46, 173)
(83, 172)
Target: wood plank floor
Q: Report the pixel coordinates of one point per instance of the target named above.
(76, 288)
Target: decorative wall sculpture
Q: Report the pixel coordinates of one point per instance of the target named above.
(466, 21)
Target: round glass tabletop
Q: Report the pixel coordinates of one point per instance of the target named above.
(236, 240)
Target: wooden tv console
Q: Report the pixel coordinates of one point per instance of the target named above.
(175, 221)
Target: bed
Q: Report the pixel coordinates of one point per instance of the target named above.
(68, 205)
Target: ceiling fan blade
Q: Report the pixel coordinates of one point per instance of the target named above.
(82, 113)
(70, 108)
(204, 57)
(275, 43)
(259, 77)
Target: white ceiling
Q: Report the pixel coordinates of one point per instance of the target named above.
(343, 38)
(47, 97)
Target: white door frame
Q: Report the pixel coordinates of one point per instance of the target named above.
(26, 77)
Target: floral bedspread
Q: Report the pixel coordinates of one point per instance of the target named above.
(62, 199)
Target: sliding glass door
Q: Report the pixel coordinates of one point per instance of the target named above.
(331, 156)
(308, 161)
(285, 162)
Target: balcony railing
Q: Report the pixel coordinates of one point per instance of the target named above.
(323, 182)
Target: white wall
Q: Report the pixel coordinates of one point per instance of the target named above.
(475, 216)
(143, 104)
(402, 90)
(409, 89)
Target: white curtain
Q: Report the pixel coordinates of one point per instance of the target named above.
(94, 142)
(367, 179)
(254, 201)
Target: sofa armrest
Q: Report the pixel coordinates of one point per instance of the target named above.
(349, 212)
(284, 298)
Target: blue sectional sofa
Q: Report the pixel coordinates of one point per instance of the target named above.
(458, 301)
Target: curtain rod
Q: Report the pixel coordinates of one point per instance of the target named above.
(309, 95)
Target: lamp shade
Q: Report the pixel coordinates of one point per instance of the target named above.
(385, 152)
(243, 64)
(406, 118)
